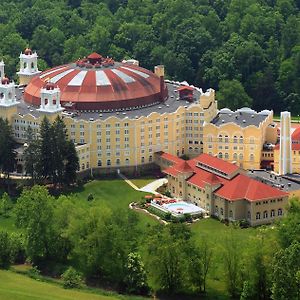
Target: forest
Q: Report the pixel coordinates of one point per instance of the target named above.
(102, 245)
(249, 51)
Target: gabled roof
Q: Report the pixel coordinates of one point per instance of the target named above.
(183, 167)
(184, 88)
(244, 187)
(170, 157)
(217, 163)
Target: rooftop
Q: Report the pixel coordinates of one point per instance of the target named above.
(243, 117)
(278, 181)
(170, 105)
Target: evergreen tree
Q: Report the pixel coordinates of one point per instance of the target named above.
(72, 163)
(7, 148)
(32, 155)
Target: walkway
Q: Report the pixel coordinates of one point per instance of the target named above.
(149, 188)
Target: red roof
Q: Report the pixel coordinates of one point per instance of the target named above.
(99, 88)
(94, 55)
(217, 163)
(170, 157)
(237, 188)
(185, 87)
(244, 187)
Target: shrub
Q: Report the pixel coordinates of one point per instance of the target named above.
(17, 248)
(168, 194)
(168, 216)
(34, 272)
(90, 197)
(71, 279)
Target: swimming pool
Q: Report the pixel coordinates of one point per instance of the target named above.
(182, 207)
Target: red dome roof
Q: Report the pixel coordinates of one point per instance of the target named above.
(100, 87)
(50, 86)
(28, 51)
(5, 80)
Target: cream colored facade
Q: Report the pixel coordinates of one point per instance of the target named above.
(116, 142)
(255, 212)
(242, 145)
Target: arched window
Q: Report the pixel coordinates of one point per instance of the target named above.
(143, 159)
(272, 213)
(241, 139)
(108, 162)
(150, 158)
(118, 161)
(235, 139)
(251, 157)
(127, 161)
(265, 214)
(87, 165)
(32, 65)
(241, 156)
(196, 149)
(226, 139)
(82, 166)
(220, 138)
(220, 155)
(226, 155)
(182, 151)
(258, 216)
(46, 101)
(99, 163)
(235, 156)
(279, 212)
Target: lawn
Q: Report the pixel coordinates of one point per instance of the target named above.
(19, 287)
(142, 182)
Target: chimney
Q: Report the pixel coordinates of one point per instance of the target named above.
(160, 72)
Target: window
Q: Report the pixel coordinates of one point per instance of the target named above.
(265, 214)
(280, 212)
(222, 211)
(251, 140)
(99, 163)
(127, 161)
(241, 140)
(150, 158)
(241, 156)
(226, 138)
(235, 139)
(251, 157)
(248, 215)
(226, 156)
(230, 214)
(258, 216)
(108, 162)
(118, 161)
(272, 213)
(235, 156)
(220, 138)
(209, 138)
(220, 155)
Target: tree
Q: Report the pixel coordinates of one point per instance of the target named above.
(135, 278)
(34, 213)
(199, 264)
(5, 205)
(286, 267)
(32, 155)
(5, 259)
(7, 148)
(232, 264)
(233, 95)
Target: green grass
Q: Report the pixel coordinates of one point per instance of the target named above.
(19, 287)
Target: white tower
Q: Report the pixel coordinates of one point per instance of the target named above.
(7, 93)
(2, 64)
(285, 157)
(50, 99)
(28, 66)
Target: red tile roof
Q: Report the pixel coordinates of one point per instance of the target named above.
(244, 187)
(296, 134)
(217, 163)
(237, 188)
(184, 88)
(171, 157)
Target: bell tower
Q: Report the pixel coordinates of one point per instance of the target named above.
(50, 99)
(28, 66)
